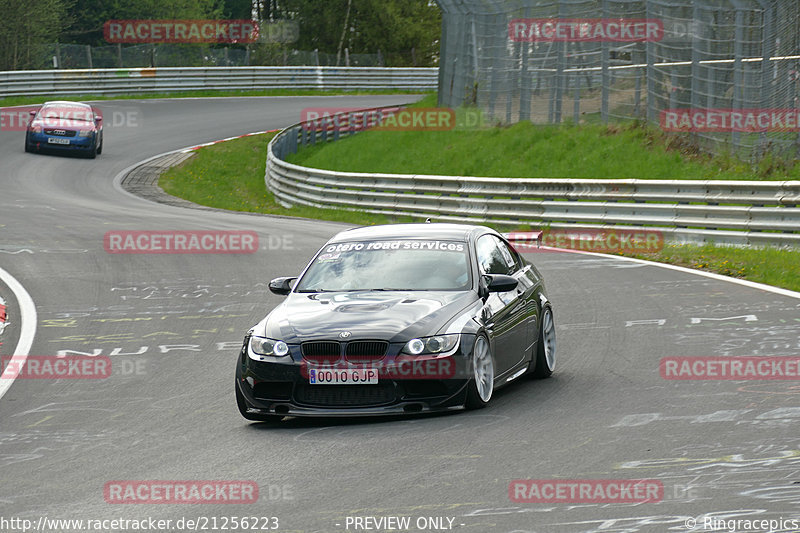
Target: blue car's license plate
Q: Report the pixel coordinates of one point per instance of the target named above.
(56, 140)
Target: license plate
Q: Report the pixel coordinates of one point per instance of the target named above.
(348, 376)
(56, 140)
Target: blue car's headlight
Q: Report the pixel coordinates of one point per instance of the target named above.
(265, 346)
(85, 133)
(432, 345)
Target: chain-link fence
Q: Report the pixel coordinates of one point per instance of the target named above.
(724, 70)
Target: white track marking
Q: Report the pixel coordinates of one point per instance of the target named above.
(27, 328)
(719, 277)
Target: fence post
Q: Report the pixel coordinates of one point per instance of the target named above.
(650, 74)
(738, 47)
(58, 55)
(673, 90)
(767, 48)
(498, 46)
(576, 105)
(696, 56)
(525, 90)
(637, 95)
(560, 58)
(473, 90)
(606, 81)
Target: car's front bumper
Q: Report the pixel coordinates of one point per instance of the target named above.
(39, 142)
(283, 388)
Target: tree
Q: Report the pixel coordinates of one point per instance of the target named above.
(405, 31)
(24, 26)
(90, 15)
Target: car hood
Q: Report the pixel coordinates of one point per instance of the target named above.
(395, 316)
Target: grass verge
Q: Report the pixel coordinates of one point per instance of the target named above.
(32, 100)
(525, 150)
(230, 175)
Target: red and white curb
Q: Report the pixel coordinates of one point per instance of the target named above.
(193, 148)
(3, 317)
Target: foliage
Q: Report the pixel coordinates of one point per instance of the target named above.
(24, 24)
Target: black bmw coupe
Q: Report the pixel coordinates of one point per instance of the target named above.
(396, 319)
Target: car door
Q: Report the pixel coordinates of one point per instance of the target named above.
(528, 289)
(504, 313)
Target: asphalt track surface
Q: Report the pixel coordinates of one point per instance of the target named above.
(172, 325)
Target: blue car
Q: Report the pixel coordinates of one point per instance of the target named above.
(65, 127)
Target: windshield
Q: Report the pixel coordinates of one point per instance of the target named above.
(389, 265)
(68, 113)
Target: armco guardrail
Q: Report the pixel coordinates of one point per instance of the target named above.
(724, 212)
(166, 79)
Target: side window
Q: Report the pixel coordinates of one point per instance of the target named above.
(492, 257)
(510, 256)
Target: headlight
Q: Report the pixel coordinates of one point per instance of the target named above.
(85, 133)
(431, 345)
(36, 129)
(264, 346)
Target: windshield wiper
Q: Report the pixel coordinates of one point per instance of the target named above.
(327, 290)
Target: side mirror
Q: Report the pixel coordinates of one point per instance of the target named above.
(282, 286)
(98, 120)
(32, 113)
(500, 283)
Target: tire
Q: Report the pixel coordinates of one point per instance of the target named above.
(546, 346)
(28, 147)
(100, 147)
(481, 385)
(241, 403)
